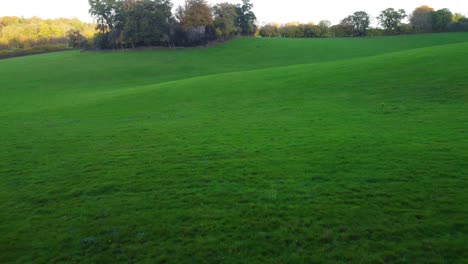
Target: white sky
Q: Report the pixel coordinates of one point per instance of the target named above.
(266, 10)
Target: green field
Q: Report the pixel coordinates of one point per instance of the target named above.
(255, 150)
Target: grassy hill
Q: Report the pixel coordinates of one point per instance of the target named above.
(256, 150)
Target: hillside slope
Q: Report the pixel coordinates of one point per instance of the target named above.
(53, 78)
(291, 157)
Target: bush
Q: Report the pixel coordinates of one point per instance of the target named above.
(376, 32)
(17, 52)
(101, 41)
(196, 35)
(460, 26)
(342, 31)
(76, 39)
(406, 29)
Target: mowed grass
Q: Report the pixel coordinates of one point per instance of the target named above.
(256, 150)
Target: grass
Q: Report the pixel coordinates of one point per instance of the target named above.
(257, 150)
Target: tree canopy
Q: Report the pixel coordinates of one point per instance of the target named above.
(132, 23)
(441, 19)
(33, 35)
(391, 19)
(225, 17)
(360, 21)
(246, 18)
(421, 19)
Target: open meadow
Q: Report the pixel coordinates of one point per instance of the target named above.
(255, 150)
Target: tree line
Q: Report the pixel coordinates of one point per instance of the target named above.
(423, 19)
(22, 36)
(137, 23)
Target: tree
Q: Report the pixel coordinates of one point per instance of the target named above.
(345, 28)
(292, 30)
(104, 13)
(269, 31)
(361, 22)
(460, 25)
(75, 39)
(143, 22)
(421, 19)
(457, 16)
(179, 14)
(196, 21)
(225, 17)
(311, 30)
(441, 19)
(391, 19)
(246, 18)
(34, 35)
(323, 28)
(195, 13)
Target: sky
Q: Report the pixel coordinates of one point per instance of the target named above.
(267, 10)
